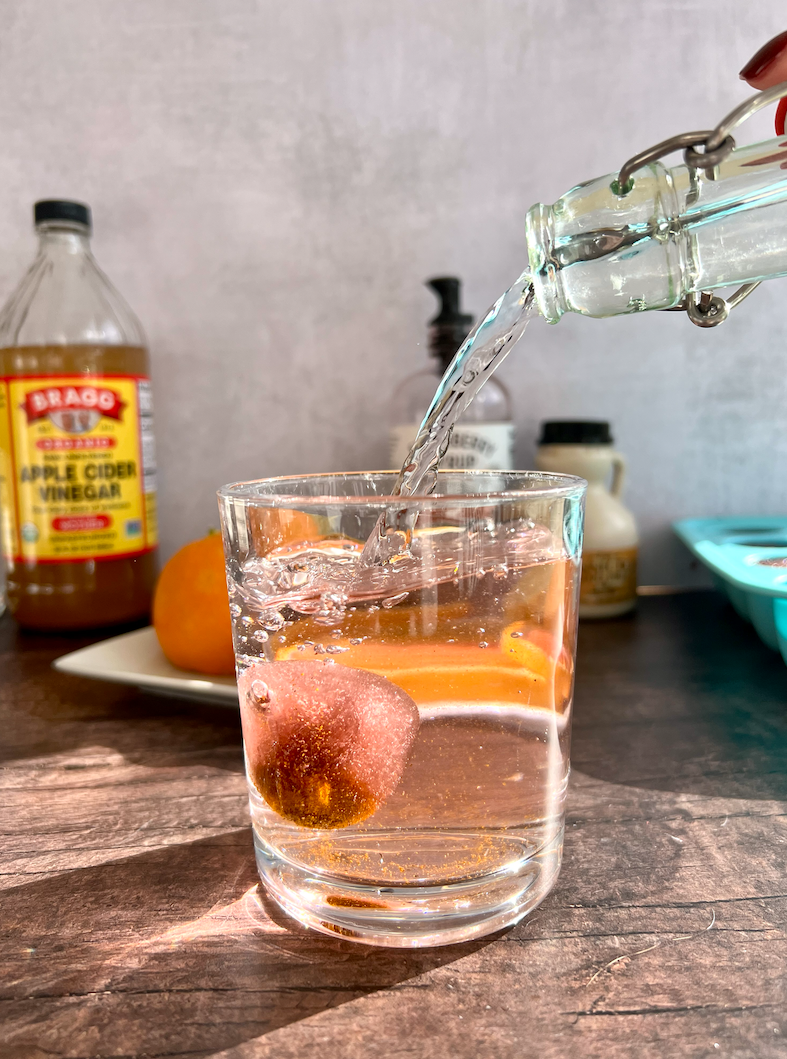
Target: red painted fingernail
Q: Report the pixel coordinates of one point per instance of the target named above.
(765, 57)
(781, 117)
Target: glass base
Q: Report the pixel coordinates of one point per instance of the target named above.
(410, 916)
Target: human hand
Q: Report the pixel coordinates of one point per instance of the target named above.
(767, 68)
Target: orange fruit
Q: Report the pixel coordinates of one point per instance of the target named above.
(538, 650)
(439, 672)
(398, 625)
(191, 610)
(521, 648)
(273, 527)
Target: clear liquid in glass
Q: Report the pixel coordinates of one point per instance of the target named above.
(477, 627)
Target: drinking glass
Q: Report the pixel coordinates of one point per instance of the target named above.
(406, 722)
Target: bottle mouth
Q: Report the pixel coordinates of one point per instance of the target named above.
(539, 236)
(62, 213)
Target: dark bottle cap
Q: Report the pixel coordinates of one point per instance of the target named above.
(449, 329)
(62, 210)
(575, 432)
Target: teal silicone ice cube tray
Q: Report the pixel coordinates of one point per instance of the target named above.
(747, 559)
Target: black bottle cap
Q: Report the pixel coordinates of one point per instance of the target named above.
(449, 329)
(62, 210)
(575, 432)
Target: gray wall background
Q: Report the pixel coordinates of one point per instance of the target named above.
(271, 183)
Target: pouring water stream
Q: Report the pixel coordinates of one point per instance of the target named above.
(481, 354)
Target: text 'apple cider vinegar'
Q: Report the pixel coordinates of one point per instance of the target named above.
(77, 456)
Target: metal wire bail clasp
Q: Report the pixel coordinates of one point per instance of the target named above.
(703, 150)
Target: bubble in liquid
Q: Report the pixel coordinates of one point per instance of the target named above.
(335, 649)
(330, 609)
(272, 620)
(483, 643)
(235, 610)
(260, 692)
(260, 636)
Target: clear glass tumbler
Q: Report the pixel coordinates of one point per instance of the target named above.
(406, 726)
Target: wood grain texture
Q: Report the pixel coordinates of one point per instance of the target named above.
(132, 925)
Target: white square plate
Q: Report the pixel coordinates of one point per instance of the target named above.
(136, 658)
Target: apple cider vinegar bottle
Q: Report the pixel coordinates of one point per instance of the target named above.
(77, 456)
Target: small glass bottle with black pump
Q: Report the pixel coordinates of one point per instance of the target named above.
(483, 438)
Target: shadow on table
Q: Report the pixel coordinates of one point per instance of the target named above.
(45, 712)
(683, 696)
(171, 952)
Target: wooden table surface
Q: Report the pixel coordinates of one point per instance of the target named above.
(132, 925)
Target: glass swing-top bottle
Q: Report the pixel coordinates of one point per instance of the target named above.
(653, 237)
(77, 458)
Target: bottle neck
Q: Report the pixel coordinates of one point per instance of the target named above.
(444, 341)
(63, 240)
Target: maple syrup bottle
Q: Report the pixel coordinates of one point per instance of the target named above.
(77, 457)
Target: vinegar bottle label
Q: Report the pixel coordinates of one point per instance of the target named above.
(77, 467)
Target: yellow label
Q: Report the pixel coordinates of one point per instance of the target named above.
(7, 507)
(608, 577)
(77, 467)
